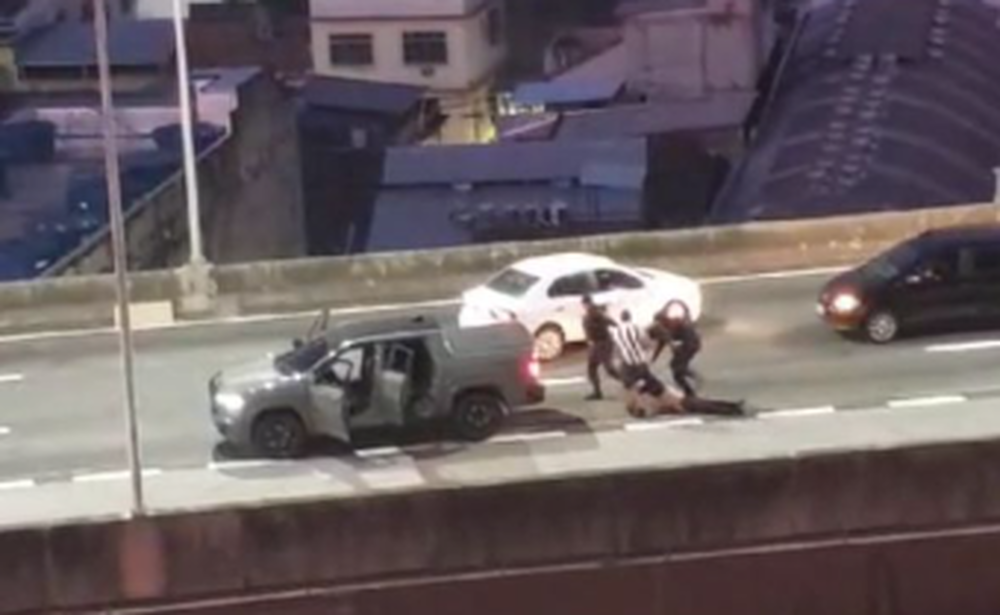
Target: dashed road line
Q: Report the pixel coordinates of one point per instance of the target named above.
(11, 378)
(99, 477)
(963, 346)
(937, 400)
(563, 382)
(528, 437)
(382, 451)
(11, 485)
(243, 464)
(4, 431)
(797, 412)
(662, 424)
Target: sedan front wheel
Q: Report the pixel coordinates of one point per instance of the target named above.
(881, 327)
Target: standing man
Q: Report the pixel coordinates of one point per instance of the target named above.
(673, 326)
(597, 327)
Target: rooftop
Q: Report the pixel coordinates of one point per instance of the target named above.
(883, 106)
(616, 163)
(131, 44)
(382, 9)
(361, 96)
(568, 92)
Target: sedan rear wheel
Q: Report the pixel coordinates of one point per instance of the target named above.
(549, 343)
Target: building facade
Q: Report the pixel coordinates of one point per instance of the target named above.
(452, 48)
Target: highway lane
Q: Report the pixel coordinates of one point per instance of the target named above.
(60, 408)
(657, 444)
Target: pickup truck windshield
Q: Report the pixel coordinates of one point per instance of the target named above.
(512, 282)
(302, 359)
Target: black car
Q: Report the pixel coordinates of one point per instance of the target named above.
(940, 276)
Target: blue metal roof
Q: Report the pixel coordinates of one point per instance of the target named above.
(884, 105)
(568, 92)
(447, 165)
(361, 95)
(131, 43)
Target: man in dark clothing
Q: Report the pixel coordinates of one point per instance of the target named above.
(597, 328)
(673, 326)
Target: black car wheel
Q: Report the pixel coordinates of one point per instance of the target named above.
(279, 435)
(881, 327)
(478, 416)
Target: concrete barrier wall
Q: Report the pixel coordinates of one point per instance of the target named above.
(667, 523)
(278, 286)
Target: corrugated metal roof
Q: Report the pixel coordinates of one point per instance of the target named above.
(131, 43)
(568, 92)
(507, 161)
(866, 119)
(361, 95)
(720, 111)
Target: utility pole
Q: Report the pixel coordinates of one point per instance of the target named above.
(120, 253)
(196, 257)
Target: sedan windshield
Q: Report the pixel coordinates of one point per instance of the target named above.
(891, 264)
(302, 359)
(512, 282)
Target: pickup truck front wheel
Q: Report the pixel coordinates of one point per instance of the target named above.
(279, 434)
(477, 416)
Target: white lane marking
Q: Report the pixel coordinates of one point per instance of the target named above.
(242, 465)
(383, 451)
(663, 424)
(527, 437)
(964, 346)
(11, 485)
(11, 378)
(99, 477)
(938, 400)
(780, 414)
(773, 275)
(259, 318)
(564, 382)
(4, 431)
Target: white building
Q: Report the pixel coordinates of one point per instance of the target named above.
(451, 47)
(162, 9)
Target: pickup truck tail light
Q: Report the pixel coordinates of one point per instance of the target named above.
(533, 367)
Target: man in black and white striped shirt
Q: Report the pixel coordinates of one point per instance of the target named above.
(630, 343)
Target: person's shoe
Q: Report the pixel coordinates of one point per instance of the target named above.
(594, 397)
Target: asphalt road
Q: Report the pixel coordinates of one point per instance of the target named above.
(61, 410)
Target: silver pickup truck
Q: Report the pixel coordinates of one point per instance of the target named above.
(377, 373)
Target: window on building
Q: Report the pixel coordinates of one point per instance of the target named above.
(494, 27)
(425, 48)
(351, 50)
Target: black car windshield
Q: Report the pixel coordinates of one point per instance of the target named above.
(513, 282)
(892, 263)
(302, 359)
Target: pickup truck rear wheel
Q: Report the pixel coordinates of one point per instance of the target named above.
(279, 434)
(477, 416)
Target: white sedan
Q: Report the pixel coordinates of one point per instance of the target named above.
(545, 293)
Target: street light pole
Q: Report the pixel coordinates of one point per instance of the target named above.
(120, 254)
(197, 255)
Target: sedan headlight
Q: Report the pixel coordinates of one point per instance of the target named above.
(845, 302)
(230, 402)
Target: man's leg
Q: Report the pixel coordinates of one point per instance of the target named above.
(607, 357)
(593, 363)
(680, 368)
